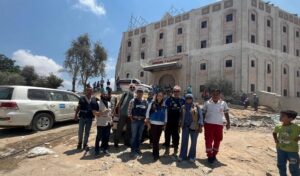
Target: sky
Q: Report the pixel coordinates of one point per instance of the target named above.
(39, 32)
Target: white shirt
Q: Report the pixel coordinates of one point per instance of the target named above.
(104, 119)
(214, 112)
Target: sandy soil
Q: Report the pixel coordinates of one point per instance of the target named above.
(244, 151)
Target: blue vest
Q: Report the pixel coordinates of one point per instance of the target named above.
(157, 112)
(139, 108)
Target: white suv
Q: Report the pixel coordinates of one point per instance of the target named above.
(34, 107)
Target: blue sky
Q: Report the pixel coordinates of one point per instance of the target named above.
(38, 32)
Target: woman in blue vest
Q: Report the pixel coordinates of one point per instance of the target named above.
(156, 119)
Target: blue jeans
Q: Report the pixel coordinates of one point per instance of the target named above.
(186, 132)
(292, 157)
(137, 128)
(85, 125)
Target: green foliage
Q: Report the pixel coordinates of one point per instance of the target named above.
(224, 85)
(8, 65)
(29, 75)
(11, 74)
(7, 78)
(85, 60)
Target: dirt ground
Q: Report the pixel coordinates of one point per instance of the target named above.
(244, 151)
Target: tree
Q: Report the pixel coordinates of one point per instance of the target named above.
(224, 85)
(50, 81)
(54, 81)
(29, 74)
(71, 63)
(90, 61)
(8, 65)
(7, 78)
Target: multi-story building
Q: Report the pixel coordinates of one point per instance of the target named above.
(253, 44)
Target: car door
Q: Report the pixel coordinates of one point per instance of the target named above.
(72, 104)
(59, 103)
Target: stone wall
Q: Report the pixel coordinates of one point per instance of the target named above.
(278, 102)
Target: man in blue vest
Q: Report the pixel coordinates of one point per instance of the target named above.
(137, 113)
(173, 104)
(85, 108)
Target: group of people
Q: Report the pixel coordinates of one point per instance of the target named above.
(173, 114)
(99, 86)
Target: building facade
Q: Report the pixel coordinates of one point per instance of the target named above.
(253, 44)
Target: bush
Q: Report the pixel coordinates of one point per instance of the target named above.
(224, 85)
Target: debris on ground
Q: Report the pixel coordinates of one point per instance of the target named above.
(39, 151)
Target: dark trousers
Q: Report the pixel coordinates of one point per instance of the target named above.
(172, 130)
(85, 125)
(155, 132)
(118, 133)
(103, 133)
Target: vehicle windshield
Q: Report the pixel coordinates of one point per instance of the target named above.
(6, 93)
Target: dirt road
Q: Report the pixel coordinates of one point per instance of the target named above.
(243, 152)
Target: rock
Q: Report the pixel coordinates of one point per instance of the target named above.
(272, 149)
(173, 164)
(56, 156)
(256, 123)
(206, 170)
(268, 174)
(39, 151)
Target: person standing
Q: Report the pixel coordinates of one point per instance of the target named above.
(191, 124)
(255, 102)
(173, 104)
(123, 117)
(103, 114)
(156, 119)
(137, 113)
(215, 109)
(286, 137)
(85, 108)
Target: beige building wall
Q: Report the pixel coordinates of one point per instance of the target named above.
(263, 55)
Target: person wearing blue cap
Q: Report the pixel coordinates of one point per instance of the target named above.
(191, 122)
(137, 109)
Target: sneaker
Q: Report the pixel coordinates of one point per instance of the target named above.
(167, 152)
(97, 153)
(86, 148)
(175, 152)
(210, 160)
(155, 158)
(192, 160)
(106, 153)
(180, 159)
(134, 155)
(79, 146)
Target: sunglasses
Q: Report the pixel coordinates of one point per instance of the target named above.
(188, 98)
(132, 87)
(176, 91)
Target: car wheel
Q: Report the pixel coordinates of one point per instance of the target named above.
(42, 122)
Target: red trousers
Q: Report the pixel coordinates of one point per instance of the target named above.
(213, 136)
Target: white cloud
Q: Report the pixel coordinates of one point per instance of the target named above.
(110, 65)
(42, 64)
(92, 6)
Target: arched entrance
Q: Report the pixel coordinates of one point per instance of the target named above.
(166, 81)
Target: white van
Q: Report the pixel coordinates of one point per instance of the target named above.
(34, 107)
(124, 84)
